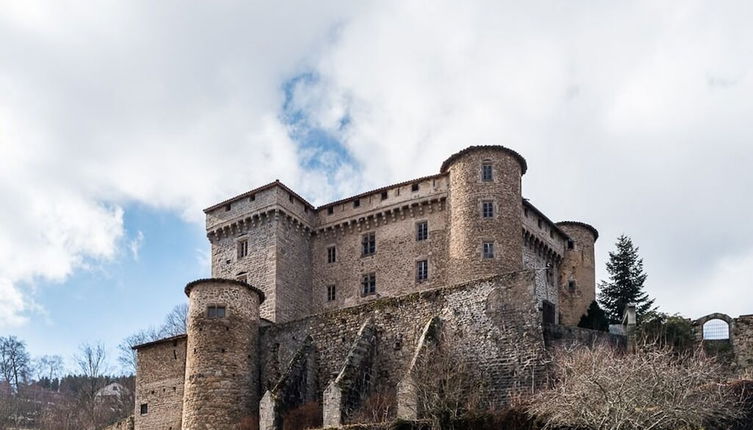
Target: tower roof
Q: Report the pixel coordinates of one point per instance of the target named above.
(588, 227)
(508, 151)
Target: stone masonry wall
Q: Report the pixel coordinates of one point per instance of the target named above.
(221, 385)
(578, 265)
(742, 338)
(292, 288)
(394, 262)
(546, 279)
(160, 376)
(492, 323)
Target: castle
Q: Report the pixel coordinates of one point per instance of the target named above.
(329, 304)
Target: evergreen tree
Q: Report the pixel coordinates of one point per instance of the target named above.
(595, 318)
(626, 278)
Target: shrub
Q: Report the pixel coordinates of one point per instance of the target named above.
(308, 415)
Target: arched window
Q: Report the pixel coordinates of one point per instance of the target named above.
(715, 329)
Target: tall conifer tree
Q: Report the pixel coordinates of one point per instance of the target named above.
(625, 285)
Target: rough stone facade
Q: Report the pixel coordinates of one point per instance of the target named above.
(287, 318)
(738, 339)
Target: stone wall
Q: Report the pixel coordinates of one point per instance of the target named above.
(578, 267)
(492, 323)
(742, 338)
(160, 372)
(562, 336)
(221, 384)
(292, 288)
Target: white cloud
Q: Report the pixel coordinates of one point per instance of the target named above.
(134, 245)
(633, 116)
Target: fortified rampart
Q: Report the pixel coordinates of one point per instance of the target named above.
(336, 303)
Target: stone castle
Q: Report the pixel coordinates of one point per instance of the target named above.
(330, 304)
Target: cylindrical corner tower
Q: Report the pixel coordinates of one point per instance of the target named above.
(485, 204)
(577, 272)
(221, 386)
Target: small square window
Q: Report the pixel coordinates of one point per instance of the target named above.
(215, 311)
(356, 203)
(570, 244)
(330, 210)
(331, 293)
(242, 248)
(422, 270)
(227, 207)
(422, 230)
(487, 209)
(384, 195)
(571, 286)
(488, 251)
(368, 244)
(414, 187)
(144, 408)
(368, 284)
(331, 254)
(486, 172)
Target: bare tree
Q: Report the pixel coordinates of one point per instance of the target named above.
(91, 360)
(15, 364)
(126, 353)
(655, 388)
(49, 366)
(175, 321)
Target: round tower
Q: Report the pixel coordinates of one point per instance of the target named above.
(221, 386)
(485, 204)
(577, 271)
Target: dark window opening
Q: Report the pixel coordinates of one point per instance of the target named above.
(541, 223)
(242, 248)
(227, 207)
(422, 270)
(547, 309)
(144, 408)
(290, 197)
(525, 212)
(488, 251)
(330, 210)
(331, 293)
(331, 254)
(414, 187)
(551, 234)
(356, 203)
(368, 284)
(368, 244)
(253, 197)
(486, 172)
(215, 311)
(571, 286)
(570, 244)
(422, 230)
(384, 195)
(487, 209)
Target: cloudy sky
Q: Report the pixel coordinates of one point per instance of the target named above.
(120, 121)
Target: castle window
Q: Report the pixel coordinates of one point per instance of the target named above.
(356, 203)
(571, 286)
(488, 249)
(422, 230)
(330, 293)
(422, 270)
(242, 248)
(227, 207)
(331, 254)
(144, 409)
(486, 172)
(384, 195)
(487, 209)
(541, 223)
(252, 198)
(215, 311)
(414, 187)
(368, 284)
(241, 277)
(525, 212)
(330, 210)
(551, 234)
(290, 198)
(368, 244)
(570, 244)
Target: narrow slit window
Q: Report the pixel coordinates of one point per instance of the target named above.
(144, 409)
(331, 293)
(570, 244)
(331, 254)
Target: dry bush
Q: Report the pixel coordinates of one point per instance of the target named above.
(378, 407)
(655, 388)
(308, 415)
